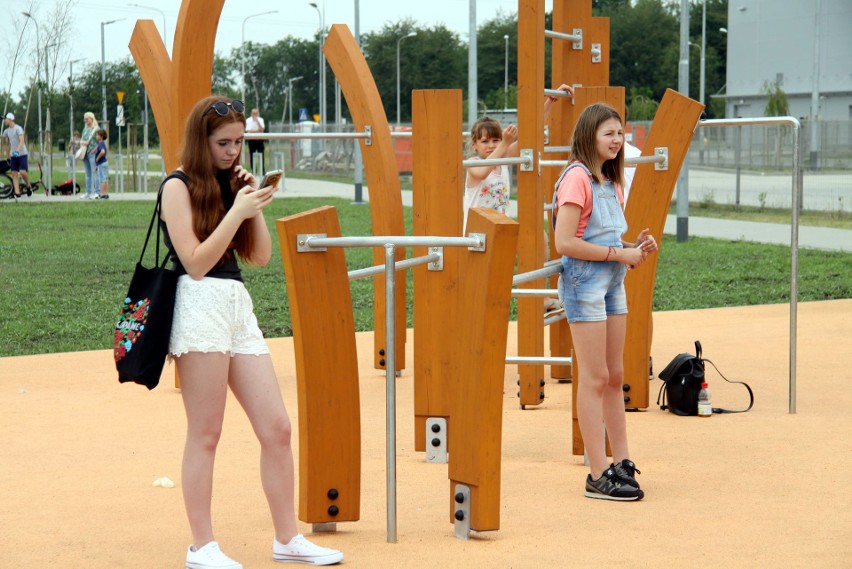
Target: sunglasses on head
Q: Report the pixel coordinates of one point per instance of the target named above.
(221, 107)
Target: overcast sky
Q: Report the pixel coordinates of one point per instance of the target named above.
(294, 18)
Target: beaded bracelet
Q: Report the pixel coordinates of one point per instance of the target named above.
(610, 251)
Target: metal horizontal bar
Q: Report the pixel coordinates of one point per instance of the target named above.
(304, 135)
(655, 159)
(399, 265)
(472, 163)
(546, 271)
(792, 121)
(557, 149)
(558, 93)
(530, 360)
(527, 292)
(554, 318)
(399, 240)
(561, 36)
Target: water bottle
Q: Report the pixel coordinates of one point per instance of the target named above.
(705, 409)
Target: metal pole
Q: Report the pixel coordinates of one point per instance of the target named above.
(701, 84)
(506, 75)
(390, 379)
(814, 158)
(794, 228)
(319, 69)
(357, 158)
(683, 87)
(737, 154)
(398, 42)
(794, 263)
(103, 77)
(472, 96)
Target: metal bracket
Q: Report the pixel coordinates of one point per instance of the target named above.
(528, 154)
(662, 151)
(461, 513)
(368, 130)
(596, 53)
(302, 243)
(547, 134)
(439, 264)
(579, 43)
(324, 527)
(481, 237)
(436, 440)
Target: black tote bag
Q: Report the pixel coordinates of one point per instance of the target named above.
(144, 323)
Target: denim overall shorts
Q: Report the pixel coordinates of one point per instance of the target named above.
(593, 290)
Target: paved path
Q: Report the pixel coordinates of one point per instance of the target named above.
(774, 233)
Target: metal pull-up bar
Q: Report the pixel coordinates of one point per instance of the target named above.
(316, 242)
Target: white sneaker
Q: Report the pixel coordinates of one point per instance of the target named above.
(83, 196)
(300, 550)
(209, 557)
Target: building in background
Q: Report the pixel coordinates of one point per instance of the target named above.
(786, 42)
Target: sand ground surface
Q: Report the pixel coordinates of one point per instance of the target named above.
(762, 489)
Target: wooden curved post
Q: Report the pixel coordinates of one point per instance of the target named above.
(326, 371)
(175, 86)
(437, 193)
(650, 196)
(485, 288)
(362, 96)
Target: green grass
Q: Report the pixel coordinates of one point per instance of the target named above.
(66, 266)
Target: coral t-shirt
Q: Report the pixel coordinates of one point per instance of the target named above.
(576, 188)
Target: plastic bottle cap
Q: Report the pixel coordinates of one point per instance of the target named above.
(704, 384)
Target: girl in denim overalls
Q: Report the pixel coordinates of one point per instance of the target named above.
(588, 226)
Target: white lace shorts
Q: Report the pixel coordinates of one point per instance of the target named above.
(214, 315)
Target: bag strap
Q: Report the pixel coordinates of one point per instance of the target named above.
(750, 392)
(156, 217)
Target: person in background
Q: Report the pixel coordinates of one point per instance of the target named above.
(88, 141)
(255, 124)
(102, 164)
(17, 141)
(589, 224)
(212, 214)
(489, 186)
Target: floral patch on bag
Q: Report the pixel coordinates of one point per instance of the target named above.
(130, 325)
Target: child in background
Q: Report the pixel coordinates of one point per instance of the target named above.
(589, 223)
(101, 163)
(489, 186)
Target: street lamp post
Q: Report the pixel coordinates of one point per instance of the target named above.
(701, 84)
(290, 95)
(242, 45)
(399, 41)
(103, 70)
(38, 65)
(506, 76)
(321, 108)
(71, 120)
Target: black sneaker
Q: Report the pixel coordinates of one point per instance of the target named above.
(611, 487)
(29, 191)
(627, 471)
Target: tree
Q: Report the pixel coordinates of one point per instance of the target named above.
(434, 59)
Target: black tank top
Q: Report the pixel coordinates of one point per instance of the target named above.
(226, 268)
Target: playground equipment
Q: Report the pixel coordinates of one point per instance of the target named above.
(321, 308)
(459, 351)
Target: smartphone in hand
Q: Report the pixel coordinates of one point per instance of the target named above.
(271, 178)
